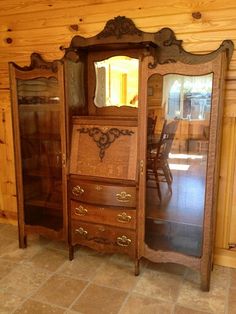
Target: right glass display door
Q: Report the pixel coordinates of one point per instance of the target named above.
(178, 128)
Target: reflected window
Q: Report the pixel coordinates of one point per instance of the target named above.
(187, 97)
(117, 82)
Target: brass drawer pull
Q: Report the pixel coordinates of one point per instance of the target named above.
(123, 217)
(80, 211)
(123, 197)
(77, 190)
(123, 241)
(81, 231)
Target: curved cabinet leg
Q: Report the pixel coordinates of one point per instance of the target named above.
(71, 252)
(136, 267)
(206, 278)
(22, 241)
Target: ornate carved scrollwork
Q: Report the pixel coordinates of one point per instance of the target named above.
(37, 62)
(162, 45)
(118, 27)
(104, 139)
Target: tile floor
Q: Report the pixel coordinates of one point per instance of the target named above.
(41, 279)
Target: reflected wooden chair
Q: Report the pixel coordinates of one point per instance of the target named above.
(151, 125)
(157, 159)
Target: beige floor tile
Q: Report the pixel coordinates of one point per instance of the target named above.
(137, 304)
(49, 259)
(59, 245)
(10, 232)
(60, 290)
(6, 267)
(184, 310)
(232, 301)
(19, 255)
(34, 307)
(97, 299)
(233, 278)
(9, 302)
(7, 245)
(113, 274)
(24, 280)
(169, 268)
(220, 275)
(121, 259)
(162, 286)
(191, 296)
(83, 266)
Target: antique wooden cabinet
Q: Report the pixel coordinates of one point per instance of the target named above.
(39, 125)
(137, 138)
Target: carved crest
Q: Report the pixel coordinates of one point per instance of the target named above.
(118, 27)
(162, 45)
(37, 62)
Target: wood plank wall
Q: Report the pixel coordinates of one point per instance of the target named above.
(44, 25)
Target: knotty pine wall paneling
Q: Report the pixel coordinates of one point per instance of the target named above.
(44, 25)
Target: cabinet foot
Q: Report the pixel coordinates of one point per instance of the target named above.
(22, 242)
(71, 252)
(136, 267)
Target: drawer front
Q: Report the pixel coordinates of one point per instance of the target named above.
(115, 216)
(105, 194)
(103, 238)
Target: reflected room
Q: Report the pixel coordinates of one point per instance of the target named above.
(117, 82)
(179, 110)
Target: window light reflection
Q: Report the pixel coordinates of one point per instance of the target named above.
(185, 156)
(180, 167)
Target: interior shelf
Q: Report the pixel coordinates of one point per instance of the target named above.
(54, 172)
(44, 203)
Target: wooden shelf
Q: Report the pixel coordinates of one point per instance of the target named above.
(44, 204)
(39, 107)
(42, 136)
(54, 172)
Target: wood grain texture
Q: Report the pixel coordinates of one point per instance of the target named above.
(43, 26)
(7, 177)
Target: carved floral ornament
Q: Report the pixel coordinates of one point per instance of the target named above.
(104, 139)
(162, 45)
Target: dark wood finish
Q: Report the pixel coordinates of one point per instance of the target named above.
(102, 142)
(121, 33)
(104, 238)
(38, 111)
(202, 263)
(103, 193)
(111, 176)
(114, 216)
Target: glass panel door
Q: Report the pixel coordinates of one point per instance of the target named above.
(178, 116)
(40, 138)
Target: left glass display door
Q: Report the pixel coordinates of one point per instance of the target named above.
(40, 150)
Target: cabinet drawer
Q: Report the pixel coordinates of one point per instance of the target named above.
(103, 238)
(115, 216)
(105, 194)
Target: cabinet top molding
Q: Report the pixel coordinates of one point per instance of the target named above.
(121, 33)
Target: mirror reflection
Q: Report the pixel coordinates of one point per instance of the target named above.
(117, 82)
(177, 146)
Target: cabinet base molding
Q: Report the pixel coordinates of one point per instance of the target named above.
(225, 257)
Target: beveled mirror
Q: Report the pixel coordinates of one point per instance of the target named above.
(116, 82)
